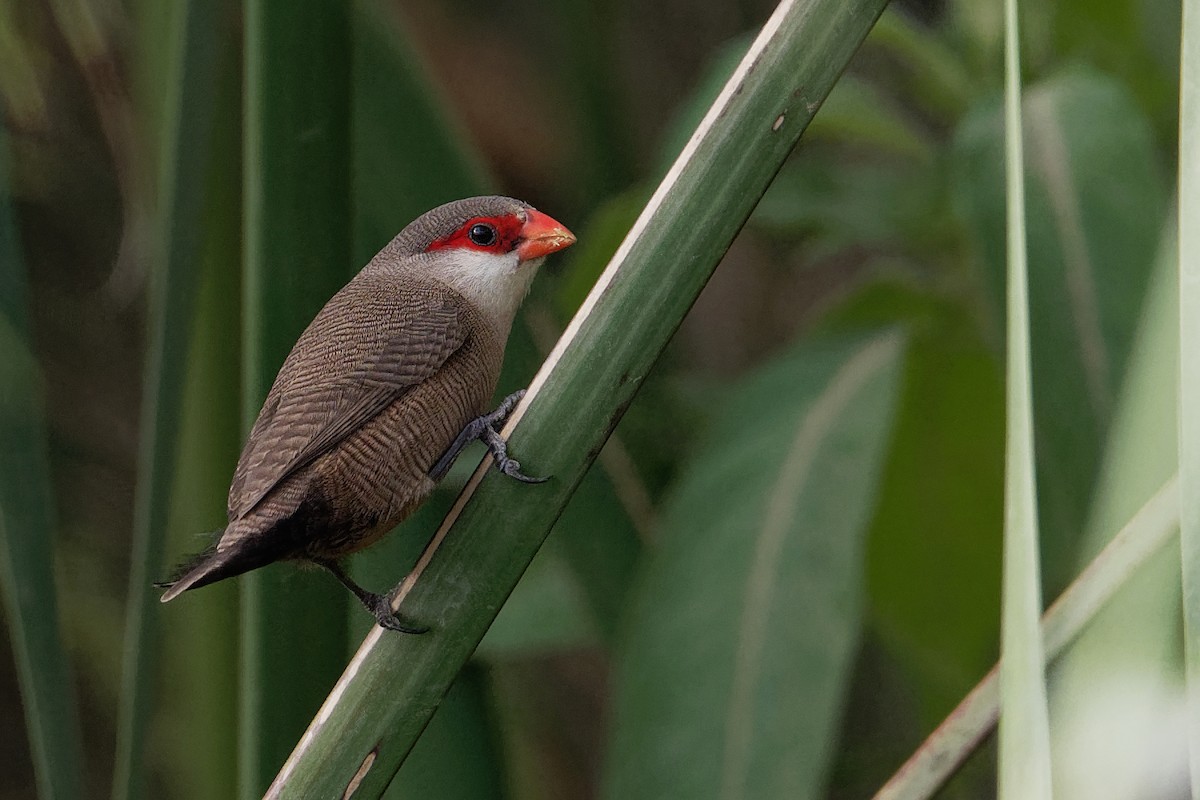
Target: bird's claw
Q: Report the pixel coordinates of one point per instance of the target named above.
(512, 468)
(388, 619)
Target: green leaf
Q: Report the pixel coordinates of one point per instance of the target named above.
(1189, 369)
(1095, 200)
(1142, 539)
(745, 622)
(376, 712)
(933, 565)
(1131, 650)
(27, 531)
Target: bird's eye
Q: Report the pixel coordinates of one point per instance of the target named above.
(482, 235)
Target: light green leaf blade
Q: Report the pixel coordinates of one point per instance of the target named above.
(1024, 757)
(1095, 199)
(1189, 368)
(1128, 660)
(745, 623)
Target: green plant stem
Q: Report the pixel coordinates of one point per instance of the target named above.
(1147, 533)
(384, 699)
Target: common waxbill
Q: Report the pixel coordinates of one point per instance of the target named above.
(380, 393)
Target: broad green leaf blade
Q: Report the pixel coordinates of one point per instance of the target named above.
(1142, 538)
(376, 711)
(1095, 199)
(1024, 759)
(1189, 367)
(933, 565)
(27, 532)
(188, 128)
(297, 255)
(745, 622)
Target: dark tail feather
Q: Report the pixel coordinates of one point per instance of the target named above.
(214, 565)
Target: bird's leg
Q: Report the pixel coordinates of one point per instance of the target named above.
(484, 429)
(380, 605)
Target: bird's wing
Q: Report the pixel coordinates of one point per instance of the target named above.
(364, 351)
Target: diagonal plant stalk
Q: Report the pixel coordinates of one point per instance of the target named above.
(384, 699)
(1147, 533)
(189, 110)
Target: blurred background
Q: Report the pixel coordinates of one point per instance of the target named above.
(889, 215)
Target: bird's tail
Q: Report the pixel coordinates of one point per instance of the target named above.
(214, 565)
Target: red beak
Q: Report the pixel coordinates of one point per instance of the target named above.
(542, 235)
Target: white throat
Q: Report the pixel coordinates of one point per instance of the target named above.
(494, 284)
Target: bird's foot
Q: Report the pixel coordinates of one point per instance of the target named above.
(380, 605)
(506, 464)
(484, 428)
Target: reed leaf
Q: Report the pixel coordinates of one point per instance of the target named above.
(1189, 366)
(1024, 770)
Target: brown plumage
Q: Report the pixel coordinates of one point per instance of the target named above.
(382, 389)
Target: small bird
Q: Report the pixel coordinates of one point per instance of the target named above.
(380, 393)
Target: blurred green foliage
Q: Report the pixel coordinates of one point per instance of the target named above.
(600, 670)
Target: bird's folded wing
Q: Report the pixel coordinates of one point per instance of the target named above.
(356, 358)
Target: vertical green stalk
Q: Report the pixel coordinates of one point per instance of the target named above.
(188, 118)
(1024, 769)
(1189, 366)
(27, 532)
(297, 254)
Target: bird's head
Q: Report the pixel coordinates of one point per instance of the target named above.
(486, 248)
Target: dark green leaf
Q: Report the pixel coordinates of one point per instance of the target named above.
(934, 553)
